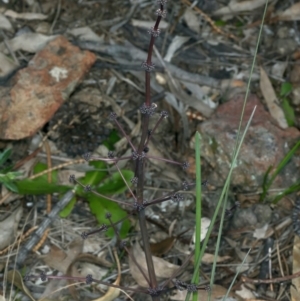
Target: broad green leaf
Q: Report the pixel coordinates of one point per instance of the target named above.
(115, 183)
(93, 177)
(288, 112)
(68, 209)
(5, 155)
(111, 140)
(286, 88)
(40, 167)
(100, 206)
(39, 186)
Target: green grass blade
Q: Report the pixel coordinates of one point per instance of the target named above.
(237, 273)
(198, 207)
(226, 185)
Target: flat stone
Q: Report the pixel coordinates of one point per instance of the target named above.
(42, 87)
(265, 145)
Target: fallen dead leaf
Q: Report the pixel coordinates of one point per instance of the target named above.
(261, 232)
(113, 292)
(209, 258)
(245, 293)
(271, 99)
(7, 65)
(205, 222)
(87, 34)
(290, 14)
(163, 269)
(15, 278)
(30, 42)
(192, 20)
(9, 227)
(25, 16)
(4, 23)
(61, 260)
(162, 247)
(72, 270)
(217, 293)
(235, 6)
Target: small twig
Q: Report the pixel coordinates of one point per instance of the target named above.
(274, 280)
(210, 21)
(43, 226)
(56, 17)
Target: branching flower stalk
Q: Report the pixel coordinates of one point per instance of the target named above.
(138, 206)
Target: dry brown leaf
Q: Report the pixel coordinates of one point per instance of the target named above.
(245, 293)
(25, 16)
(209, 258)
(217, 293)
(61, 260)
(290, 14)
(235, 6)
(162, 247)
(113, 292)
(163, 269)
(15, 278)
(271, 99)
(9, 227)
(295, 288)
(30, 42)
(4, 23)
(87, 34)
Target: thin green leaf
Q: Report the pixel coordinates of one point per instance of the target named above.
(293, 188)
(289, 112)
(68, 209)
(115, 183)
(282, 164)
(11, 186)
(12, 175)
(198, 206)
(220, 202)
(5, 155)
(286, 88)
(265, 183)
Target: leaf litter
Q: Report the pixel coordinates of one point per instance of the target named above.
(199, 77)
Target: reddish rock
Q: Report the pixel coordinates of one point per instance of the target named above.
(42, 87)
(265, 145)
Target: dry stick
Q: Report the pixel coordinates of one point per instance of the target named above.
(210, 21)
(49, 196)
(274, 280)
(43, 226)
